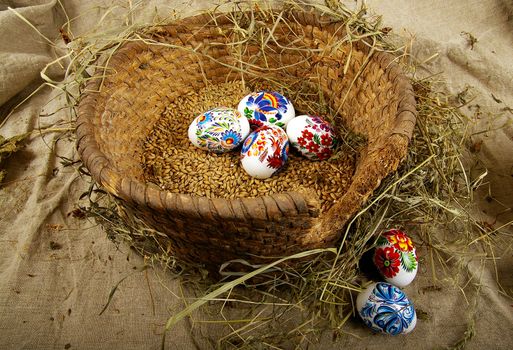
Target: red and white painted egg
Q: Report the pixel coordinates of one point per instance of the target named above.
(266, 108)
(265, 151)
(312, 136)
(396, 258)
(218, 130)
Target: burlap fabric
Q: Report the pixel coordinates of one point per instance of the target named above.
(57, 270)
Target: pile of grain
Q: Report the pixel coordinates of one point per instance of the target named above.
(170, 160)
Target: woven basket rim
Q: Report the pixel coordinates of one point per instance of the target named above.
(143, 194)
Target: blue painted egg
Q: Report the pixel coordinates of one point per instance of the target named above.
(218, 130)
(266, 108)
(385, 308)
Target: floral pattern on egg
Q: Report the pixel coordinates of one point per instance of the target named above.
(218, 130)
(312, 136)
(396, 258)
(387, 309)
(265, 151)
(266, 108)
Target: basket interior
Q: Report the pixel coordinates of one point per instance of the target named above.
(143, 79)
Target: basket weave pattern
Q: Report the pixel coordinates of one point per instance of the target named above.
(117, 113)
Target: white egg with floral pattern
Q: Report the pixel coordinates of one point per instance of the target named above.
(385, 308)
(266, 108)
(264, 152)
(312, 136)
(218, 130)
(396, 258)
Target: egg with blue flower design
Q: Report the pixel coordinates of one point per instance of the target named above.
(266, 108)
(218, 130)
(385, 308)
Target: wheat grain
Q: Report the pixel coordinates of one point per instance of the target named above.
(171, 162)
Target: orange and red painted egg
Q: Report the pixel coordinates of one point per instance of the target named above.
(396, 258)
(265, 151)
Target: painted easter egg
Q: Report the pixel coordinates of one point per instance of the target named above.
(218, 130)
(265, 151)
(312, 136)
(396, 258)
(386, 308)
(266, 108)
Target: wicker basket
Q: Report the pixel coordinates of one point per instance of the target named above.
(114, 122)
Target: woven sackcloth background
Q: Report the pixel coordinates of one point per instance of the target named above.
(56, 270)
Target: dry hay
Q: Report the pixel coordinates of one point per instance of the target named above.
(8, 146)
